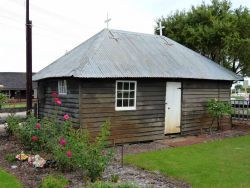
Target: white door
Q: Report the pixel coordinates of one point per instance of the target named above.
(173, 108)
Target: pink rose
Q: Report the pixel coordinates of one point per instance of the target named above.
(63, 142)
(69, 154)
(54, 94)
(58, 101)
(66, 117)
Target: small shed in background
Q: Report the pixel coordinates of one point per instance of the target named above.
(13, 84)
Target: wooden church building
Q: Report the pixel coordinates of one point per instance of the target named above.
(148, 86)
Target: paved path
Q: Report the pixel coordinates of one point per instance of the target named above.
(2, 128)
(3, 116)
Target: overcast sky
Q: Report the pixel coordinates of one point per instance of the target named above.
(60, 25)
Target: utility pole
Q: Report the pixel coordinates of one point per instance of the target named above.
(28, 60)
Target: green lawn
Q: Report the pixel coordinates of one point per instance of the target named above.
(221, 164)
(8, 181)
(14, 105)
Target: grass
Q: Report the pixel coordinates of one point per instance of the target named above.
(14, 105)
(224, 163)
(8, 180)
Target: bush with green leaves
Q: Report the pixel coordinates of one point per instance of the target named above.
(71, 148)
(10, 158)
(3, 99)
(77, 149)
(217, 109)
(54, 181)
(13, 124)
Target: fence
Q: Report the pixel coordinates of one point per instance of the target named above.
(241, 110)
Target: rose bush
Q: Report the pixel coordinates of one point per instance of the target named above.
(72, 148)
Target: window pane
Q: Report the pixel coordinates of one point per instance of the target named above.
(125, 102)
(126, 86)
(131, 102)
(119, 94)
(132, 86)
(119, 85)
(125, 94)
(119, 103)
(132, 94)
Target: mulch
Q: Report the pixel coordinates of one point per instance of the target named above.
(32, 177)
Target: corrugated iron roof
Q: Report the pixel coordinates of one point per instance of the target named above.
(122, 54)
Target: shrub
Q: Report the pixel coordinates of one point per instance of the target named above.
(10, 158)
(71, 148)
(217, 109)
(96, 155)
(54, 181)
(13, 124)
(37, 135)
(3, 99)
(76, 149)
(114, 178)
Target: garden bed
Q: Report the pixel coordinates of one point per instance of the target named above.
(32, 177)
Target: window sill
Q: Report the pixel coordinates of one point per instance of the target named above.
(125, 109)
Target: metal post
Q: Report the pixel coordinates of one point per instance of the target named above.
(28, 61)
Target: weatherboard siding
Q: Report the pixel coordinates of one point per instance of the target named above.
(195, 95)
(70, 102)
(97, 105)
(143, 124)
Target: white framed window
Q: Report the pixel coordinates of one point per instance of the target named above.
(62, 87)
(125, 95)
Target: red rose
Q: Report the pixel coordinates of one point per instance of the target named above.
(34, 138)
(38, 126)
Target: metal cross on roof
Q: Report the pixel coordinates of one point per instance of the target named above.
(107, 20)
(160, 28)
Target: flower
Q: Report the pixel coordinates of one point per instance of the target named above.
(38, 126)
(69, 154)
(34, 138)
(66, 117)
(54, 94)
(58, 101)
(63, 142)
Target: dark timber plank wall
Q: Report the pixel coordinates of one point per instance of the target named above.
(144, 123)
(70, 102)
(196, 93)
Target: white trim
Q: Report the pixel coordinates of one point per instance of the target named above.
(62, 88)
(135, 90)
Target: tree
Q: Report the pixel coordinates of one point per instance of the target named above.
(214, 30)
(238, 87)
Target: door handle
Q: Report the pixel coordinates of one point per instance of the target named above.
(168, 107)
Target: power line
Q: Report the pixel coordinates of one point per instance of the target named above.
(54, 14)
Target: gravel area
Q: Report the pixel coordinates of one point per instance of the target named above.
(138, 176)
(142, 178)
